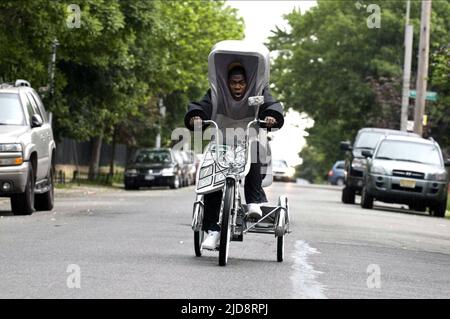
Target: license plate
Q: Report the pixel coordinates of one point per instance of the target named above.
(149, 177)
(407, 183)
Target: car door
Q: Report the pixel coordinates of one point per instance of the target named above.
(39, 139)
(47, 125)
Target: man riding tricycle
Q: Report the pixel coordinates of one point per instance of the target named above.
(239, 110)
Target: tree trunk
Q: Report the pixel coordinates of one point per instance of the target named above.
(96, 146)
(113, 155)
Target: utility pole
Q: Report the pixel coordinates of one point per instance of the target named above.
(406, 69)
(422, 70)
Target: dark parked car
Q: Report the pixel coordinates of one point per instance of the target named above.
(355, 163)
(336, 175)
(154, 167)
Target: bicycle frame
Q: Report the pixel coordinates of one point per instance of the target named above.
(236, 175)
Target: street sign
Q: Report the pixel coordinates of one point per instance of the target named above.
(431, 96)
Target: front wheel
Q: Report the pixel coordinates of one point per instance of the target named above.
(225, 226)
(23, 204)
(439, 209)
(366, 199)
(197, 225)
(131, 186)
(348, 195)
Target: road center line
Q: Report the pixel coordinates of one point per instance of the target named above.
(304, 276)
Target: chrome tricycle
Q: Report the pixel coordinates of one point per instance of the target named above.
(224, 168)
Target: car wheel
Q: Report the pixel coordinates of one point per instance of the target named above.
(23, 204)
(348, 196)
(131, 186)
(439, 209)
(366, 199)
(45, 201)
(340, 182)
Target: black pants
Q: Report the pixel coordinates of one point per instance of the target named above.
(254, 193)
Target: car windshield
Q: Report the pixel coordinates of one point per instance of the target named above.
(280, 164)
(368, 140)
(409, 152)
(11, 110)
(340, 165)
(153, 157)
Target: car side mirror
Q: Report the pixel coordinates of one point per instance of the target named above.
(367, 154)
(346, 146)
(36, 121)
(256, 100)
(447, 163)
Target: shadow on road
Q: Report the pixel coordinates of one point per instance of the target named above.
(401, 211)
(6, 213)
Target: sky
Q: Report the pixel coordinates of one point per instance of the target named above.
(260, 18)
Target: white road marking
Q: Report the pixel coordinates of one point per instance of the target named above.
(304, 276)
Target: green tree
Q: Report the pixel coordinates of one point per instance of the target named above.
(114, 68)
(343, 74)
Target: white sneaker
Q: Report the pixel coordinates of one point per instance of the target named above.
(212, 240)
(254, 211)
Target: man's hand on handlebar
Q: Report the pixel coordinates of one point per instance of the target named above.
(196, 121)
(270, 121)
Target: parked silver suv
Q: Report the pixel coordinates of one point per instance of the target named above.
(27, 149)
(406, 170)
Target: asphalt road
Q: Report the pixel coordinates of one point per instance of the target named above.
(113, 243)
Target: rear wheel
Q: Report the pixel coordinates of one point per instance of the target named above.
(280, 248)
(225, 226)
(23, 204)
(45, 201)
(366, 199)
(348, 195)
(439, 209)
